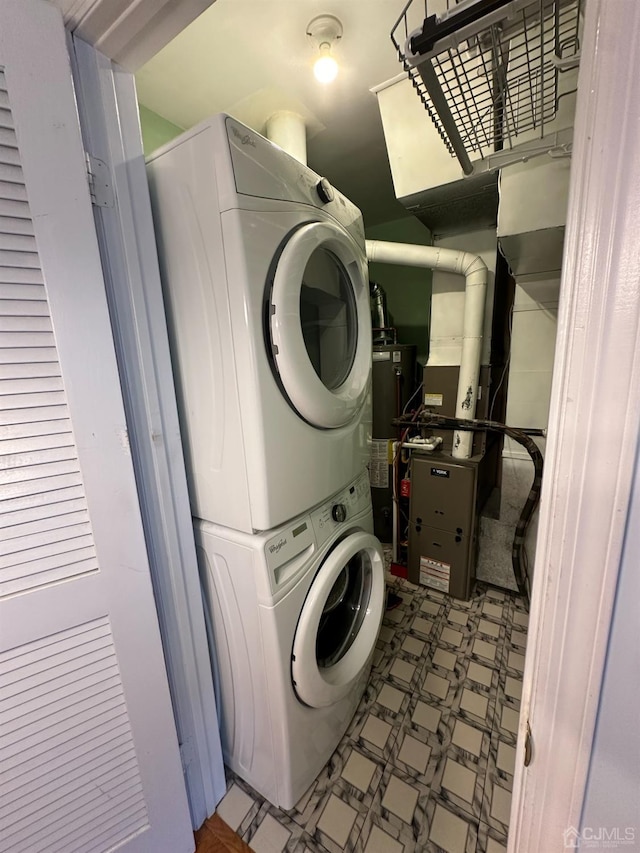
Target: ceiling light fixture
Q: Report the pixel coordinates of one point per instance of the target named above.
(323, 31)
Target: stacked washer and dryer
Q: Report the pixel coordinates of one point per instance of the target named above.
(266, 290)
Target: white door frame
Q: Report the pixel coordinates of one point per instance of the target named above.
(130, 32)
(594, 425)
(108, 110)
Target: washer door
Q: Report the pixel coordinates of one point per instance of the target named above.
(320, 324)
(340, 621)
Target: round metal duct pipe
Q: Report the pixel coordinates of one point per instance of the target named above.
(288, 130)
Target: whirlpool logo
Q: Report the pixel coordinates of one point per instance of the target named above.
(244, 138)
(273, 549)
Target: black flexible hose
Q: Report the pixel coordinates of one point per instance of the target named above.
(518, 557)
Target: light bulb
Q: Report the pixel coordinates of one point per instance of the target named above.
(325, 68)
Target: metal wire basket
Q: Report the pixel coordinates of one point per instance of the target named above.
(488, 71)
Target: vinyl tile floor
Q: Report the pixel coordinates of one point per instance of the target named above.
(427, 763)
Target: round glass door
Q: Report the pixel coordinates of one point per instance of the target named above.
(344, 610)
(328, 318)
(320, 324)
(339, 622)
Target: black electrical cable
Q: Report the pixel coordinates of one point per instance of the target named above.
(518, 554)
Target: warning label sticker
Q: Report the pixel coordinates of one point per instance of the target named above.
(433, 399)
(435, 574)
(379, 464)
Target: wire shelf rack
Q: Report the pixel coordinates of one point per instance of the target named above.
(489, 73)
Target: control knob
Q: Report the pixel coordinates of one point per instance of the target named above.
(324, 190)
(339, 512)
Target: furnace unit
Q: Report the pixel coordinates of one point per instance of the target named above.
(448, 494)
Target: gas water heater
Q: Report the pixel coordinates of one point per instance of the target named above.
(393, 384)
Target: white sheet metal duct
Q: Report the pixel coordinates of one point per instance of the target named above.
(474, 269)
(288, 130)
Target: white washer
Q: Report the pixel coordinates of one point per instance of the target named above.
(265, 279)
(294, 615)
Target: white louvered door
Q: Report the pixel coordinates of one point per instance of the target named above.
(89, 759)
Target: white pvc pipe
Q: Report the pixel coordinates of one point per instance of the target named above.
(474, 269)
(288, 130)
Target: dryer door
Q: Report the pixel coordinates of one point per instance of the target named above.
(340, 621)
(320, 324)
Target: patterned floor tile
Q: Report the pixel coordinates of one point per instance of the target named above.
(431, 609)
(496, 806)
(272, 831)
(373, 730)
(414, 649)
(510, 689)
(392, 701)
(521, 619)
(400, 804)
(416, 752)
(448, 829)
(475, 705)
(336, 821)
(439, 685)
(458, 616)
(422, 627)
(427, 762)
(483, 676)
(399, 617)
(490, 841)
(360, 777)
(460, 775)
(506, 722)
(427, 718)
(236, 806)
(326, 781)
(498, 786)
(379, 836)
(235, 787)
(403, 671)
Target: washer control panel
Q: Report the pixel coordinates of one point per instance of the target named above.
(287, 543)
(332, 514)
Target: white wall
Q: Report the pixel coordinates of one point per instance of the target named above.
(612, 799)
(533, 341)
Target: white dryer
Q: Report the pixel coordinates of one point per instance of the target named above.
(265, 280)
(294, 618)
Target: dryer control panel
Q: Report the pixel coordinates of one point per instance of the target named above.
(262, 169)
(343, 506)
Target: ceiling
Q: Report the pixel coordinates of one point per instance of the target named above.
(251, 58)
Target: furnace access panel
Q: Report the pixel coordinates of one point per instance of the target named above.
(442, 532)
